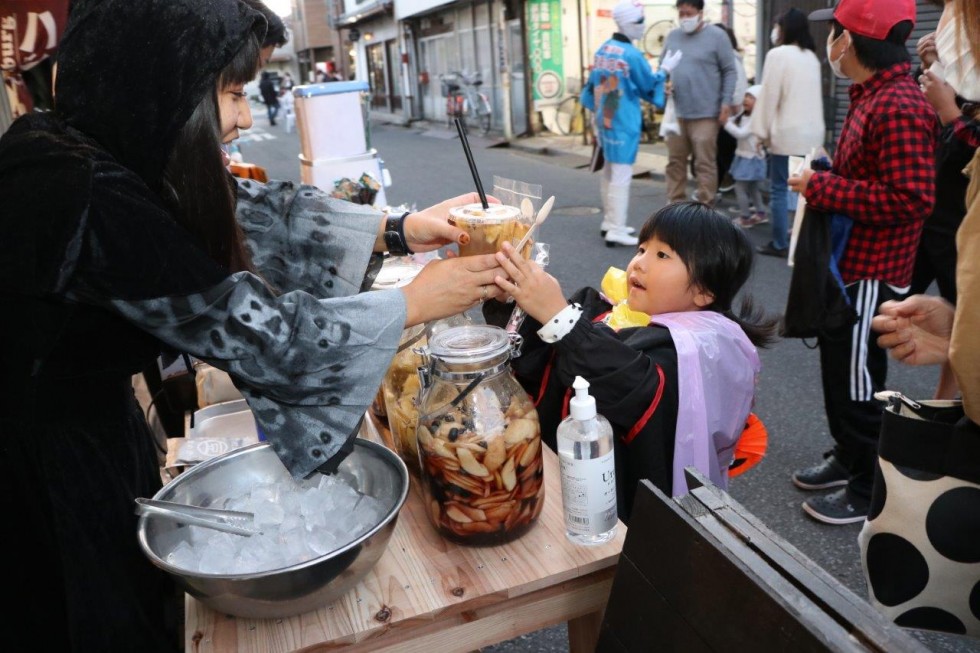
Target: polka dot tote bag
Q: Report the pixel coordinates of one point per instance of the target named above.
(920, 546)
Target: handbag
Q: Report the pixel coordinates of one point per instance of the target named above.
(817, 302)
(920, 544)
(598, 160)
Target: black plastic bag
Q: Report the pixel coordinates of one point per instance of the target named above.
(816, 303)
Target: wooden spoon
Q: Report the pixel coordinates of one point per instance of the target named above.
(527, 209)
(542, 216)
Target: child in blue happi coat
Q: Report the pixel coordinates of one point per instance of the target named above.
(621, 77)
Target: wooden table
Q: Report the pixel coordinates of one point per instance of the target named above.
(433, 596)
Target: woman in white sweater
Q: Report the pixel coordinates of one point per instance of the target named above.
(788, 115)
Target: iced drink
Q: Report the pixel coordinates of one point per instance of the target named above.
(489, 228)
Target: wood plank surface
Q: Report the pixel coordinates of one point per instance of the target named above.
(699, 573)
(428, 594)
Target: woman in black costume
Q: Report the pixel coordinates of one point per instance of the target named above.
(118, 221)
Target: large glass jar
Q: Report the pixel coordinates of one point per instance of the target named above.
(401, 387)
(479, 439)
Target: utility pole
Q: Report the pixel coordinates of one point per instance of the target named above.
(503, 63)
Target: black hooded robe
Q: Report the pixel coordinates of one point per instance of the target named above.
(96, 276)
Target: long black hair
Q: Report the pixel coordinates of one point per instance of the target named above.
(795, 29)
(718, 257)
(199, 189)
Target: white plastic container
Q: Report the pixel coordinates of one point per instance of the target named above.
(588, 470)
(331, 119)
(324, 173)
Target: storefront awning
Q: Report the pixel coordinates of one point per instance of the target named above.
(351, 18)
(409, 8)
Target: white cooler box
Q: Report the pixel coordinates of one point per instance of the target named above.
(324, 173)
(332, 119)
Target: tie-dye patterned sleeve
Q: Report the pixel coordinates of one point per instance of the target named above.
(308, 367)
(300, 238)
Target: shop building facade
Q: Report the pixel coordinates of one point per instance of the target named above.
(530, 54)
(481, 38)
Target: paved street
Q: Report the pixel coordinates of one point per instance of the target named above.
(427, 165)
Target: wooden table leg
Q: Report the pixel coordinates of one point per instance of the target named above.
(583, 632)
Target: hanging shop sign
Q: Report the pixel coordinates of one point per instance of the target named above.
(545, 51)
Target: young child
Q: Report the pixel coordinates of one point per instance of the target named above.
(672, 368)
(749, 166)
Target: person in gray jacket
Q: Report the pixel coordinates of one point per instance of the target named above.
(702, 88)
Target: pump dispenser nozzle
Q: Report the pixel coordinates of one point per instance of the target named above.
(582, 405)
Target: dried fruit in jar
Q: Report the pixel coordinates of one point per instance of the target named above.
(483, 487)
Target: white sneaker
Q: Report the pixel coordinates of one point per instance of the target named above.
(621, 237)
(606, 226)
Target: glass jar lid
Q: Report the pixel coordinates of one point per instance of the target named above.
(468, 345)
(395, 273)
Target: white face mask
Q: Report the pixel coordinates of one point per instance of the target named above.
(690, 25)
(835, 63)
(774, 36)
(632, 31)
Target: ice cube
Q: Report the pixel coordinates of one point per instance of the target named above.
(322, 541)
(268, 513)
(184, 557)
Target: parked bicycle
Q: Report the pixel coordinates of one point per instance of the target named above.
(465, 99)
(570, 118)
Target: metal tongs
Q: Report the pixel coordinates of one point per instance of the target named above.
(226, 521)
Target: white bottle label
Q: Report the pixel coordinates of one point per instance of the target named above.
(588, 494)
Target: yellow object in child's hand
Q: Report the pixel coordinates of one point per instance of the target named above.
(616, 288)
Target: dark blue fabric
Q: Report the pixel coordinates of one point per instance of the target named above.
(840, 231)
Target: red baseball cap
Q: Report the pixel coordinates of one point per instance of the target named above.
(871, 18)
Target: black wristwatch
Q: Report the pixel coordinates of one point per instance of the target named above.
(394, 235)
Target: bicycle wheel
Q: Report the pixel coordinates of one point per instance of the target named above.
(568, 117)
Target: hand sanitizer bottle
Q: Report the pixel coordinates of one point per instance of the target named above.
(588, 470)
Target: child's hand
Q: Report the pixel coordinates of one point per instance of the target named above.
(534, 290)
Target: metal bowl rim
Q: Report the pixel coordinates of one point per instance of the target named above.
(386, 453)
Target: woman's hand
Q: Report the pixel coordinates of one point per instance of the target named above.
(430, 229)
(941, 96)
(926, 47)
(916, 330)
(534, 290)
(450, 286)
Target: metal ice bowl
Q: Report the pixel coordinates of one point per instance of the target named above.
(290, 590)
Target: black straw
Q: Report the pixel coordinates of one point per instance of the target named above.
(469, 160)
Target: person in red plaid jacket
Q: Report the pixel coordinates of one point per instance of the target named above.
(883, 178)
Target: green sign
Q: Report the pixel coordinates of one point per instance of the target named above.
(544, 51)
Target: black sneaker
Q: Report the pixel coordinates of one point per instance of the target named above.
(827, 474)
(837, 508)
(771, 250)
